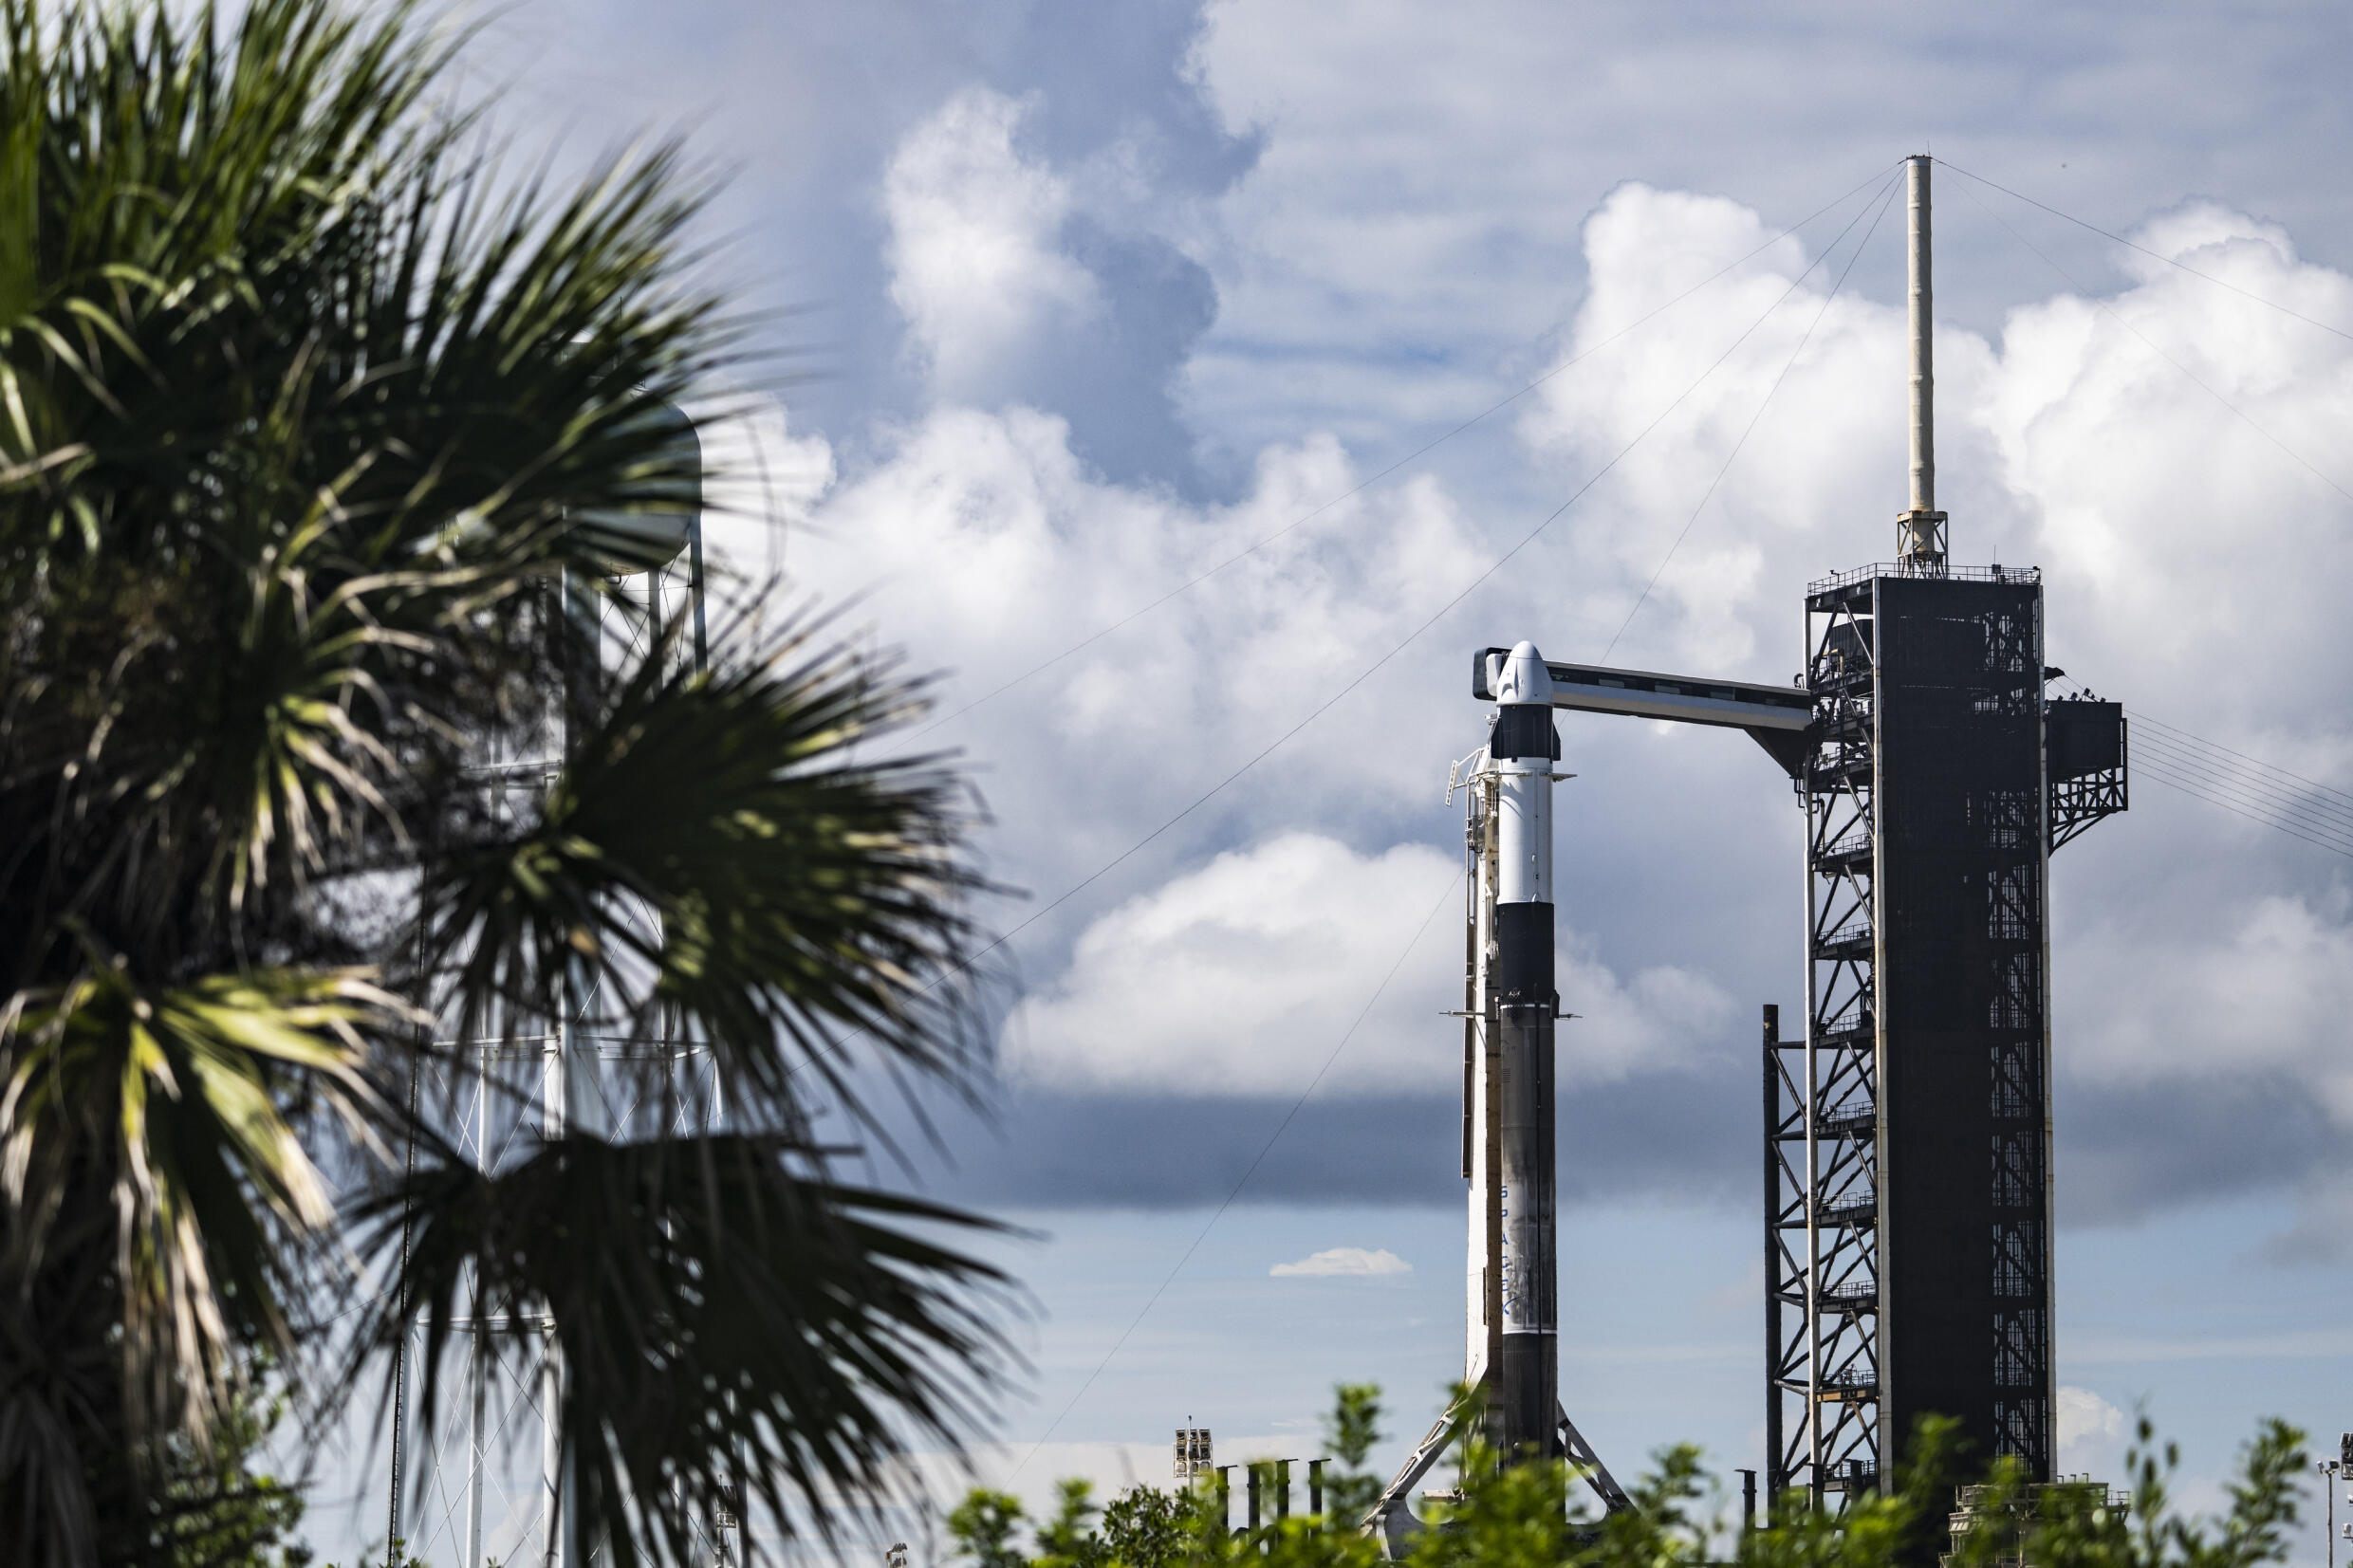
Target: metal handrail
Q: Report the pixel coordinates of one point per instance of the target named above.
(2022, 575)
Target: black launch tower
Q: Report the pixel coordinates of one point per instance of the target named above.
(1907, 1155)
(1908, 1144)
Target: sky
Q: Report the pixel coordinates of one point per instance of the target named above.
(1196, 386)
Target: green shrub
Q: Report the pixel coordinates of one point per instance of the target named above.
(1536, 1515)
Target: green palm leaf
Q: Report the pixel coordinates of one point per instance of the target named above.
(724, 1312)
(310, 416)
(178, 1101)
(803, 894)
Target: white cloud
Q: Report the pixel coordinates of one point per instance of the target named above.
(1343, 1260)
(2091, 1436)
(975, 257)
(2083, 1414)
(762, 481)
(1241, 978)
(2268, 986)
(984, 544)
(2191, 567)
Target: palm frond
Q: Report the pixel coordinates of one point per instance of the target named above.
(60, 1400)
(297, 401)
(724, 1315)
(176, 1102)
(308, 409)
(802, 894)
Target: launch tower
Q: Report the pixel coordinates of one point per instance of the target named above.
(1907, 1127)
(1908, 1191)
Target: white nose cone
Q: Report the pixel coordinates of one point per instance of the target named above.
(1525, 678)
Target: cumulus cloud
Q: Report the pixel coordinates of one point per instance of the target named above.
(976, 261)
(762, 482)
(1223, 959)
(1810, 487)
(1242, 977)
(1238, 977)
(1023, 282)
(2083, 1414)
(985, 542)
(1343, 1260)
(2266, 994)
(2091, 1435)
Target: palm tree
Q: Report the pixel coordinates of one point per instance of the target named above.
(301, 403)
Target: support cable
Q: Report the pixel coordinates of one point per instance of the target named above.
(1750, 428)
(2246, 787)
(1280, 1126)
(2190, 787)
(2250, 790)
(1418, 454)
(2255, 761)
(2154, 255)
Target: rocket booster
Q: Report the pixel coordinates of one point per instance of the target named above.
(1524, 748)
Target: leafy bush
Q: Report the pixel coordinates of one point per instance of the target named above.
(1535, 1515)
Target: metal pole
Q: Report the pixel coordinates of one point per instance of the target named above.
(478, 1364)
(2328, 1484)
(477, 1370)
(1921, 295)
(551, 1487)
(1525, 746)
(1920, 537)
(2050, 1316)
(553, 1087)
(401, 1283)
(1772, 1249)
(1813, 1196)
(694, 566)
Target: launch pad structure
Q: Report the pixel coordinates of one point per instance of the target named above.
(1907, 1192)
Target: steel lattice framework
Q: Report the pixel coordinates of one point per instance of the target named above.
(1907, 1204)
(484, 1488)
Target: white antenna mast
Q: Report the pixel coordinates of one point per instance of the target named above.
(1920, 533)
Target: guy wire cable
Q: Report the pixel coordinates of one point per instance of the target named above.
(1750, 428)
(2179, 768)
(1413, 456)
(2255, 761)
(2189, 374)
(2174, 782)
(2172, 769)
(2239, 787)
(2220, 282)
(2251, 786)
(1280, 1126)
(2169, 769)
